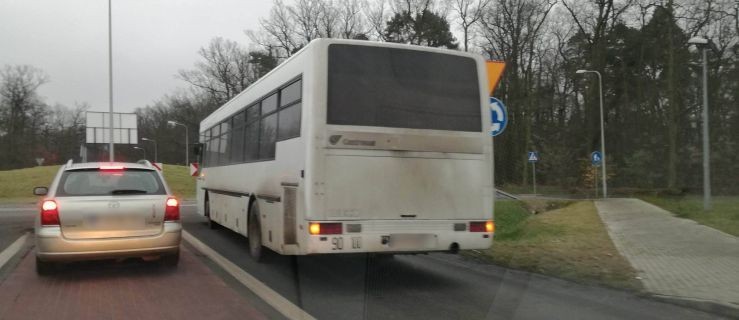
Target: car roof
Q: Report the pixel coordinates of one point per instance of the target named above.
(95, 165)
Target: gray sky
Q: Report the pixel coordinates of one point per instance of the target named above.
(152, 40)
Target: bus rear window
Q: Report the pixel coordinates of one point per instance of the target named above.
(399, 88)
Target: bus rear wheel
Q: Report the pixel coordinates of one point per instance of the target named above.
(254, 235)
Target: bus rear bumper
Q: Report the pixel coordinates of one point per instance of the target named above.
(406, 241)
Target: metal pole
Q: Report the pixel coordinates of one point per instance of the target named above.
(706, 147)
(595, 180)
(602, 136)
(110, 77)
(187, 148)
(155, 151)
(533, 169)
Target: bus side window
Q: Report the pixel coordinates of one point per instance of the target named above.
(289, 122)
(268, 137)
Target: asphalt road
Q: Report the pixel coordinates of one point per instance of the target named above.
(436, 286)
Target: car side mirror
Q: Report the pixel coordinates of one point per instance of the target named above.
(40, 191)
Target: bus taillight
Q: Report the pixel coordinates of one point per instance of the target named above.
(325, 228)
(482, 226)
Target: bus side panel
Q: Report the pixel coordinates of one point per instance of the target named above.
(229, 211)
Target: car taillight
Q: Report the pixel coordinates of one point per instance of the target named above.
(172, 210)
(49, 213)
(325, 228)
(482, 226)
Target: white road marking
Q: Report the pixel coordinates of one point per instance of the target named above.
(11, 250)
(280, 303)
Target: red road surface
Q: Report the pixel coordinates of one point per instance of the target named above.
(126, 290)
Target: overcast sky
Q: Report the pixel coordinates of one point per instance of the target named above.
(152, 40)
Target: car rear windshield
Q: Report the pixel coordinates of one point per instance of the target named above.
(400, 88)
(95, 182)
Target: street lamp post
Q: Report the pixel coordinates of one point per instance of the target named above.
(110, 79)
(142, 149)
(187, 140)
(602, 129)
(155, 148)
(702, 43)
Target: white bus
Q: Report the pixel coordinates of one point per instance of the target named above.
(354, 146)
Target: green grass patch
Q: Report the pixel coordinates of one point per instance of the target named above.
(16, 186)
(179, 180)
(570, 242)
(724, 216)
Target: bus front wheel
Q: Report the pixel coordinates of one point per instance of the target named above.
(254, 235)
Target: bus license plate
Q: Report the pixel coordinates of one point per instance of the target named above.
(413, 241)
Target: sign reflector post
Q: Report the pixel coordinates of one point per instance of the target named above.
(194, 169)
(533, 159)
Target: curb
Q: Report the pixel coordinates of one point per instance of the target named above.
(712, 307)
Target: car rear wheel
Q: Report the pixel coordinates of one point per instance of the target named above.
(170, 260)
(255, 233)
(44, 267)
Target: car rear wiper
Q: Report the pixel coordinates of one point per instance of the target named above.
(128, 191)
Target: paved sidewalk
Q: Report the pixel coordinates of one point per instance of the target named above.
(674, 257)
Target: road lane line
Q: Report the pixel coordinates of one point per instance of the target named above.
(11, 250)
(274, 299)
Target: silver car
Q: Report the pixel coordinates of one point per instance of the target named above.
(107, 210)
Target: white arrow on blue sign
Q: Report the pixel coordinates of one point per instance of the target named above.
(533, 156)
(596, 158)
(498, 117)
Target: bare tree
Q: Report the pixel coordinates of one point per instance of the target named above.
(280, 30)
(470, 12)
(351, 23)
(307, 15)
(21, 112)
(223, 72)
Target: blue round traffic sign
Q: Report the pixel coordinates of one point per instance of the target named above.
(596, 158)
(498, 116)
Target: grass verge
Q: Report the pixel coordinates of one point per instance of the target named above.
(179, 180)
(724, 216)
(16, 186)
(570, 243)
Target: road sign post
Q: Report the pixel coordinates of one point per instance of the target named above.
(596, 159)
(498, 122)
(498, 117)
(533, 158)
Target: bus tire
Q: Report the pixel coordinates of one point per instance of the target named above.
(206, 208)
(254, 235)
